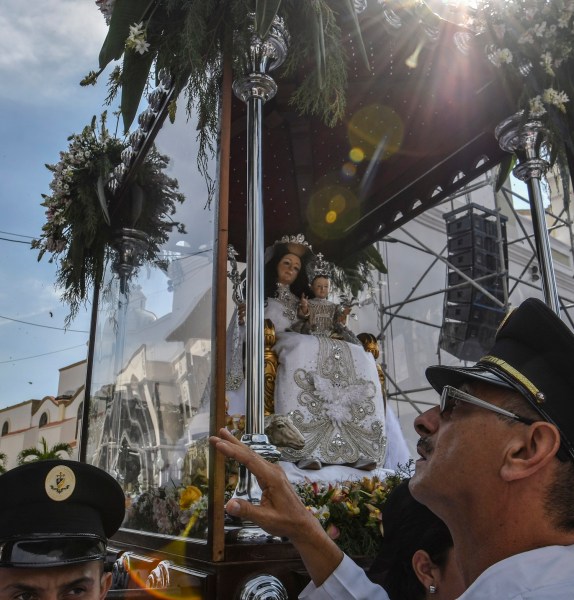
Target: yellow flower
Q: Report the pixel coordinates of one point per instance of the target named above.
(189, 496)
(352, 508)
(374, 512)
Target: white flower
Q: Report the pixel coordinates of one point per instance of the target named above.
(564, 20)
(322, 513)
(106, 7)
(136, 40)
(547, 61)
(526, 38)
(555, 98)
(500, 56)
(539, 29)
(537, 107)
(136, 30)
(141, 46)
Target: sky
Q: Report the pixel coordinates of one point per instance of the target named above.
(46, 48)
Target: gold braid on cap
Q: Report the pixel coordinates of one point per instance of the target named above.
(516, 375)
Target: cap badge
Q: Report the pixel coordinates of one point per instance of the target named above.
(60, 483)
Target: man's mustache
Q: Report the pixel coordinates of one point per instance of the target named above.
(424, 446)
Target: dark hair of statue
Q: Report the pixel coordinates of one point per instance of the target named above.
(298, 287)
(408, 526)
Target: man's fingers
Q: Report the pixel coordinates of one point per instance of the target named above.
(233, 507)
(231, 447)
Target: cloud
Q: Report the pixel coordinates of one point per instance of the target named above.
(47, 47)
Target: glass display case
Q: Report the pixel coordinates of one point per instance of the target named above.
(150, 394)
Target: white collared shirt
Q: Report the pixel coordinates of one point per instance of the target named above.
(542, 574)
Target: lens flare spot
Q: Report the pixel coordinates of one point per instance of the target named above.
(377, 130)
(332, 209)
(338, 203)
(348, 170)
(357, 155)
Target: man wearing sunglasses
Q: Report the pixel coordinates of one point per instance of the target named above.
(496, 464)
(55, 518)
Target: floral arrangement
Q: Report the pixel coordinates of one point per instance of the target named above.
(82, 224)
(173, 510)
(351, 512)
(532, 41)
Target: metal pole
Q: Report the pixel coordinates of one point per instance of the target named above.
(525, 138)
(255, 89)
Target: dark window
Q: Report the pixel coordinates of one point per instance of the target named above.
(43, 419)
(5, 428)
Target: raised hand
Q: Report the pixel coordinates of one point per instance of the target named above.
(281, 511)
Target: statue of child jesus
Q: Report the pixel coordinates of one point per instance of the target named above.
(318, 315)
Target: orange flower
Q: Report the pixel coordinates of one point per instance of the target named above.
(188, 496)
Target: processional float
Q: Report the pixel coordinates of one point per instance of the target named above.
(423, 166)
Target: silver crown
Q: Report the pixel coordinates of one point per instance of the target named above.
(319, 268)
(299, 238)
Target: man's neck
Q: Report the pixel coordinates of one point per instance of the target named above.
(482, 541)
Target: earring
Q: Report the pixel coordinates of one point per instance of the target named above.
(432, 589)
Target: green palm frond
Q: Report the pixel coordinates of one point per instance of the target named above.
(45, 452)
(314, 26)
(356, 271)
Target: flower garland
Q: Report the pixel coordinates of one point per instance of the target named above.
(532, 41)
(81, 224)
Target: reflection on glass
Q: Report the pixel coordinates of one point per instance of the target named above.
(150, 395)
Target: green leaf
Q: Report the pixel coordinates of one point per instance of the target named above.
(374, 257)
(265, 12)
(135, 75)
(126, 13)
(504, 170)
(356, 34)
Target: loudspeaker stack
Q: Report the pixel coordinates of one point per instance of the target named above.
(474, 248)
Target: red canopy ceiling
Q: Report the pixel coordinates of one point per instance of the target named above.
(411, 137)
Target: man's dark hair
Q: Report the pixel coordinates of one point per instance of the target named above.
(559, 499)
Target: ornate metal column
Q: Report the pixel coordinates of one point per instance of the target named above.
(255, 88)
(525, 139)
(129, 246)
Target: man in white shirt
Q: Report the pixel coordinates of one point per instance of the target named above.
(496, 464)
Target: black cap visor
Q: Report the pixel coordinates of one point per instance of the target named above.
(51, 551)
(439, 376)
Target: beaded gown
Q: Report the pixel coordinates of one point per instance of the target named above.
(331, 389)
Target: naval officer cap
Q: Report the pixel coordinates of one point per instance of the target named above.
(533, 354)
(57, 512)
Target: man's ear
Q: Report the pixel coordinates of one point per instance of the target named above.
(423, 567)
(105, 584)
(530, 449)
